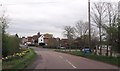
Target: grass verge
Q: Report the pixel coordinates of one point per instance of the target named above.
(106, 59)
(0, 64)
(21, 63)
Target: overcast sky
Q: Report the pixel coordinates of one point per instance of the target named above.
(27, 17)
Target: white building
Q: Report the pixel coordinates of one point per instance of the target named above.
(41, 40)
(24, 40)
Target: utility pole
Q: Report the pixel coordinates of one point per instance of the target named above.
(119, 25)
(119, 14)
(1, 37)
(89, 23)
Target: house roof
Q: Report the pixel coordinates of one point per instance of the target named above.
(35, 37)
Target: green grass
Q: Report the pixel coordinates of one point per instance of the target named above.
(106, 59)
(0, 64)
(20, 63)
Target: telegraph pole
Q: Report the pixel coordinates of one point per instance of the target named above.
(119, 25)
(1, 37)
(89, 23)
(119, 15)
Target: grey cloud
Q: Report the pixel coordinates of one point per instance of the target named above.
(31, 16)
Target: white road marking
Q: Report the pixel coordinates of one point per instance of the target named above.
(68, 62)
(61, 57)
(71, 64)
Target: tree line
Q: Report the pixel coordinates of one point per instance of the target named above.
(104, 27)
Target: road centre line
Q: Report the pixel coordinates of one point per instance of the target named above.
(61, 57)
(71, 64)
(68, 62)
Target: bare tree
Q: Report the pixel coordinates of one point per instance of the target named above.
(3, 25)
(81, 28)
(98, 15)
(112, 12)
(3, 20)
(69, 33)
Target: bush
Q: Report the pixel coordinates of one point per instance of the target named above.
(18, 55)
(17, 64)
(10, 45)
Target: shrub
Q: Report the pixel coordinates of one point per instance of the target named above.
(10, 45)
(16, 64)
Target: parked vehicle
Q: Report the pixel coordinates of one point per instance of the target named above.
(24, 46)
(86, 50)
(62, 47)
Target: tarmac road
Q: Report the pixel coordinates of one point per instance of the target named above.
(49, 59)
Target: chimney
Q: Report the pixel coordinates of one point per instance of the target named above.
(38, 33)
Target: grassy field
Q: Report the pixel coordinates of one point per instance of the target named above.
(20, 63)
(0, 64)
(106, 59)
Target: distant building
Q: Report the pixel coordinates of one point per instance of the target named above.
(64, 42)
(48, 40)
(30, 40)
(47, 37)
(53, 42)
(36, 37)
(44, 39)
(23, 40)
(41, 40)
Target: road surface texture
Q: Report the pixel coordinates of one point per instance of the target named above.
(49, 59)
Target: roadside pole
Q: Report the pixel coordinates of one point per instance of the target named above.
(89, 23)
